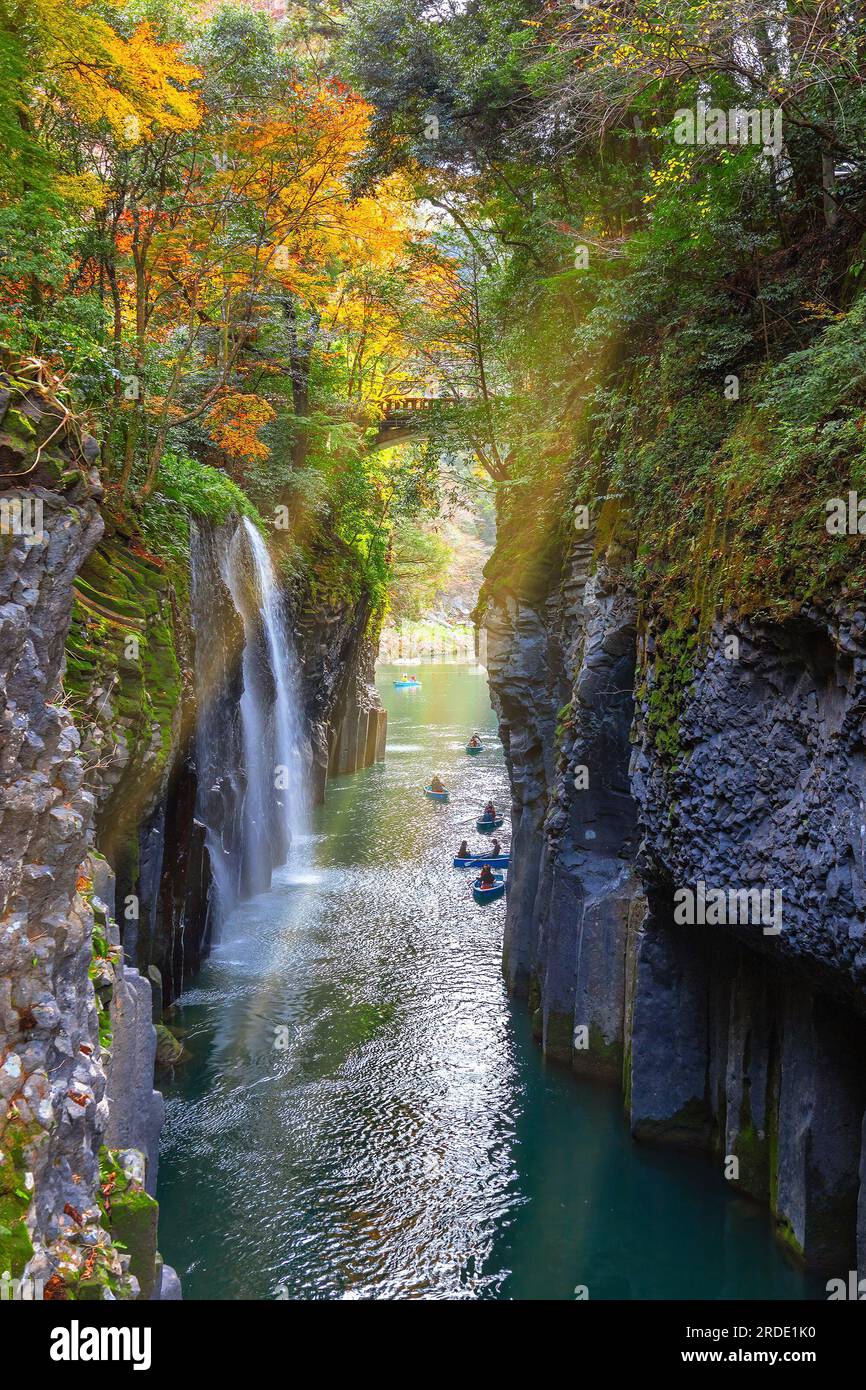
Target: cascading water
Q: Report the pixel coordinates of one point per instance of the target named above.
(249, 743)
(290, 780)
(255, 704)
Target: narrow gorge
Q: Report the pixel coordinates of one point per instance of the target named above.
(433, 665)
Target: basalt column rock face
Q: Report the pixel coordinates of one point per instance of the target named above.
(588, 894)
(741, 768)
(76, 1037)
(360, 724)
(561, 675)
(52, 1083)
(768, 787)
(344, 715)
(526, 655)
(764, 791)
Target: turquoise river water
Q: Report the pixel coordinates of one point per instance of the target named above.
(364, 1113)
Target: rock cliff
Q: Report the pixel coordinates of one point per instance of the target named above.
(60, 978)
(647, 769)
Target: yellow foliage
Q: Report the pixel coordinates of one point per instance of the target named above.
(83, 191)
(138, 85)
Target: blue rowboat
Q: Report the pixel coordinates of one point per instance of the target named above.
(486, 895)
(407, 685)
(435, 796)
(485, 826)
(473, 748)
(477, 861)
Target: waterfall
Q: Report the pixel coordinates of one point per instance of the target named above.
(290, 785)
(249, 741)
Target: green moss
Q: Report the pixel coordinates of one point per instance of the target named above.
(19, 424)
(688, 1127)
(723, 504)
(170, 1051)
(122, 642)
(131, 1217)
(785, 1233)
(729, 503)
(16, 1247)
(335, 575)
(751, 1149)
(133, 1225)
(15, 1244)
(564, 721)
(601, 1059)
(558, 1036)
(673, 673)
(118, 607)
(104, 961)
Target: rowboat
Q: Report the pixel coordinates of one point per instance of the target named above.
(407, 685)
(477, 861)
(485, 826)
(486, 895)
(435, 796)
(473, 748)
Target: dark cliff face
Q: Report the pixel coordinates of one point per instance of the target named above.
(344, 715)
(770, 787)
(745, 773)
(574, 819)
(201, 792)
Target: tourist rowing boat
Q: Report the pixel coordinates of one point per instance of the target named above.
(477, 861)
(486, 895)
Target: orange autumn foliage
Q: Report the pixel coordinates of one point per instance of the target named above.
(234, 423)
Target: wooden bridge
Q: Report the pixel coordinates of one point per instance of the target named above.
(406, 417)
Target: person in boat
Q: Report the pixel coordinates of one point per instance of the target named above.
(489, 812)
(497, 850)
(487, 878)
(463, 851)
(475, 741)
(436, 785)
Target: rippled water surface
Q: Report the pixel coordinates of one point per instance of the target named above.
(408, 1140)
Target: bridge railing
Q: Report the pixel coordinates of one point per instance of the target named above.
(407, 405)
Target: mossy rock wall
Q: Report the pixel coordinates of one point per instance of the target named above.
(125, 688)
